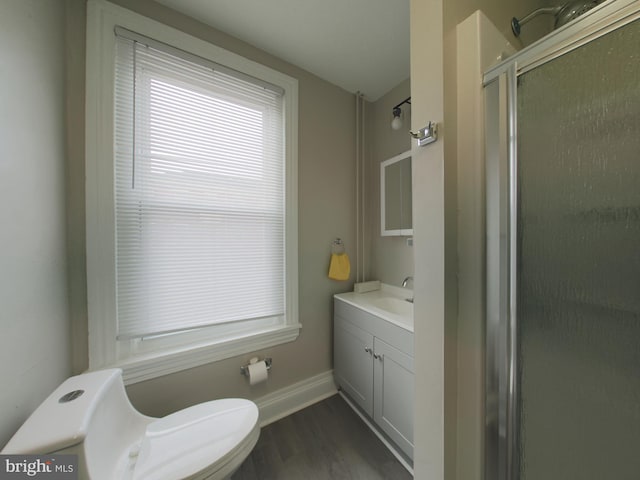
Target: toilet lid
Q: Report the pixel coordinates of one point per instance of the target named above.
(189, 441)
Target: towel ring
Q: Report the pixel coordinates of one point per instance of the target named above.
(337, 246)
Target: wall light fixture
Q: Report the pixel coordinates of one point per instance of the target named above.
(396, 123)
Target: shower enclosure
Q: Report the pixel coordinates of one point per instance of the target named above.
(563, 254)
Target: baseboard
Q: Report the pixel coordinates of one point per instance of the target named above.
(288, 400)
(390, 445)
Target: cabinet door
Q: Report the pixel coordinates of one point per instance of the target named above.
(353, 357)
(393, 395)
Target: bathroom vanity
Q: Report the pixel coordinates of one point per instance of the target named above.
(373, 358)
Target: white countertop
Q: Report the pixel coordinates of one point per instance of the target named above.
(388, 303)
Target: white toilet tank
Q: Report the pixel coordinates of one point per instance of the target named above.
(88, 415)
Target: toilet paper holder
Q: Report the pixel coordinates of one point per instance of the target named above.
(244, 370)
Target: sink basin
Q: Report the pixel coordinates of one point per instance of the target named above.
(389, 303)
(393, 305)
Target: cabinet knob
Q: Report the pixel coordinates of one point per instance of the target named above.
(367, 349)
(378, 357)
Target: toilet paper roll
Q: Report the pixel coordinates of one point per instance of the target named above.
(257, 372)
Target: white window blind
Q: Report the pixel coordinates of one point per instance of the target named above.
(199, 193)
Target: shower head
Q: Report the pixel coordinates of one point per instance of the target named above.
(572, 10)
(563, 13)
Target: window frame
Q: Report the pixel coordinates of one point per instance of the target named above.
(167, 355)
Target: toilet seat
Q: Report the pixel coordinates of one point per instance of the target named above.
(209, 440)
(224, 467)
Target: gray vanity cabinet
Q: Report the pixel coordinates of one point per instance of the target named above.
(353, 367)
(373, 365)
(393, 394)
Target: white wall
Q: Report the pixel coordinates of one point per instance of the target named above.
(429, 239)
(34, 346)
(479, 45)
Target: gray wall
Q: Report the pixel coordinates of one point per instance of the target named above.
(326, 179)
(34, 344)
(389, 259)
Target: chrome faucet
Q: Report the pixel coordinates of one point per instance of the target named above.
(404, 284)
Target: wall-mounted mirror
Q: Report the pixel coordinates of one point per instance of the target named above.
(395, 195)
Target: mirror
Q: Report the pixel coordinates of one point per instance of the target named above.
(395, 195)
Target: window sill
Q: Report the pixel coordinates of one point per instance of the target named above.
(146, 367)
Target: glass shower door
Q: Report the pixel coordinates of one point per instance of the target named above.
(578, 263)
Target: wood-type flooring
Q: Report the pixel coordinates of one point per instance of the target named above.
(327, 440)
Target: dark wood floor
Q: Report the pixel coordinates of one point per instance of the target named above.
(324, 441)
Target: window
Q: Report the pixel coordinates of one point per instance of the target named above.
(191, 199)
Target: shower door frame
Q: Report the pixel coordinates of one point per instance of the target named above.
(501, 367)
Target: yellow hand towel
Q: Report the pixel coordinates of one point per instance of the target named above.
(340, 267)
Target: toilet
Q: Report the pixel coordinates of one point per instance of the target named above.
(90, 415)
